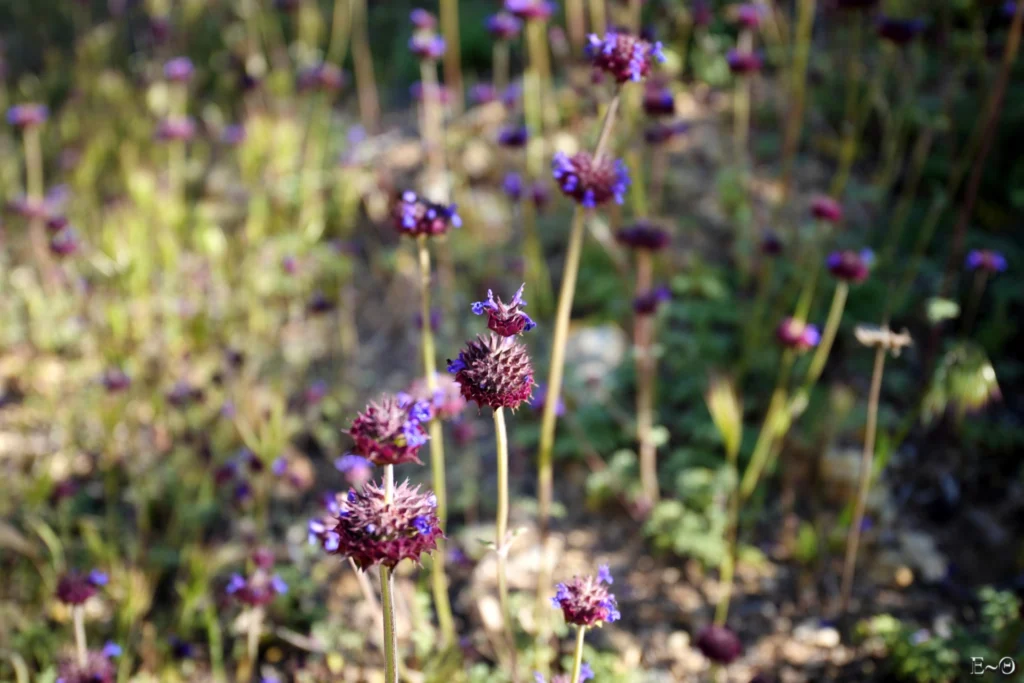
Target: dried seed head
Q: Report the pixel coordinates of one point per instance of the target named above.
(873, 336)
(719, 644)
(987, 260)
(391, 432)
(643, 234)
(796, 334)
(623, 56)
(414, 215)
(849, 265)
(506, 319)
(591, 182)
(494, 371)
(259, 589)
(75, 589)
(586, 601)
(362, 526)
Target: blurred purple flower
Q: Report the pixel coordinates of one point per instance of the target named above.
(504, 26)
(624, 57)
(590, 182)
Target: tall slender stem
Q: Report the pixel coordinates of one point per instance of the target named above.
(643, 348)
(81, 649)
(853, 538)
(253, 644)
(971, 309)
(362, 58)
(835, 314)
(576, 23)
(390, 636)
(795, 117)
(501, 533)
(606, 127)
(741, 105)
(35, 192)
(445, 620)
(433, 131)
(598, 17)
(767, 436)
(577, 657)
(500, 65)
(728, 566)
(341, 28)
(452, 61)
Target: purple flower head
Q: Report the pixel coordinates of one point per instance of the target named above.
(660, 133)
(482, 93)
(115, 380)
(65, 242)
(825, 208)
(771, 244)
(700, 13)
(322, 77)
(986, 260)
(371, 531)
(510, 98)
(591, 182)
(179, 70)
(263, 558)
(96, 668)
(513, 186)
(181, 649)
(513, 136)
(643, 234)
(27, 115)
(176, 129)
(506, 319)
(280, 466)
(795, 334)
(624, 57)
(387, 433)
(719, 644)
(74, 588)
(540, 194)
(422, 19)
(414, 215)
(659, 101)
(315, 392)
(899, 31)
(647, 303)
(233, 134)
(427, 47)
(539, 400)
(530, 9)
(586, 601)
(259, 589)
(504, 26)
(749, 14)
(742, 62)
(494, 371)
(851, 266)
(356, 468)
(445, 402)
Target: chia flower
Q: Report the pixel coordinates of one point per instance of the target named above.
(422, 19)
(315, 392)
(65, 242)
(75, 588)
(508, 319)
(591, 182)
(540, 398)
(427, 47)
(513, 186)
(176, 128)
(233, 134)
(504, 26)
(29, 208)
(181, 649)
(280, 466)
(624, 57)
(259, 589)
(323, 77)
(771, 244)
(540, 194)
(987, 260)
(659, 101)
(494, 371)
(179, 70)
(826, 209)
(414, 215)
(719, 644)
(749, 14)
(513, 136)
(56, 223)
(643, 234)
(660, 133)
(390, 432)
(370, 531)
(700, 13)
(586, 674)
(446, 402)
(530, 9)
(849, 265)
(183, 393)
(27, 115)
(435, 319)
(742, 63)
(356, 468)
(416, 90)
(482, 93)
(97, 667)
(263, 558)
(511, 95)
(586, 601)
(899, 31)
(319, 303)
(63, 489)
(647, 302)
(796, 334)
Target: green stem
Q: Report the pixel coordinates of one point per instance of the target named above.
(971, 309)
(36, 192)
(574, 19)
(341, 28)
(390, 636)
(433, 131)
(835, 314)
(728, 566)
(452, 61)
(362, 60)
(500, 65)
(598, 21)
(853, 538)
(767, 435)
(577, 657)
(82, 651)
(255, 627)
(794, 121)
(501, 533)
(645, 370)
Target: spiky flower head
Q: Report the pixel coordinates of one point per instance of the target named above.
(427, 47)
(987, 260)
(422, 20)
(506, 319)
(852, 266)
(323, 77)
(899, 31)
(356, 468)
(176, 129)
(591, 182)
(647, 303)
(530, 9)
(659, 101)
(97, 667)
(362, 526)
(414, 216)
(796, 334)
(75, 588)
(586, 674)
(27, 115)
(445, 400)
(643, 234)
(825, 208)
(259, 589)
(504, 26)
(513, 136)
(742, 62)
(494, 371)
(179, 70)
(719, 644)
(586, 601)
(625, 57)
(391, 431)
